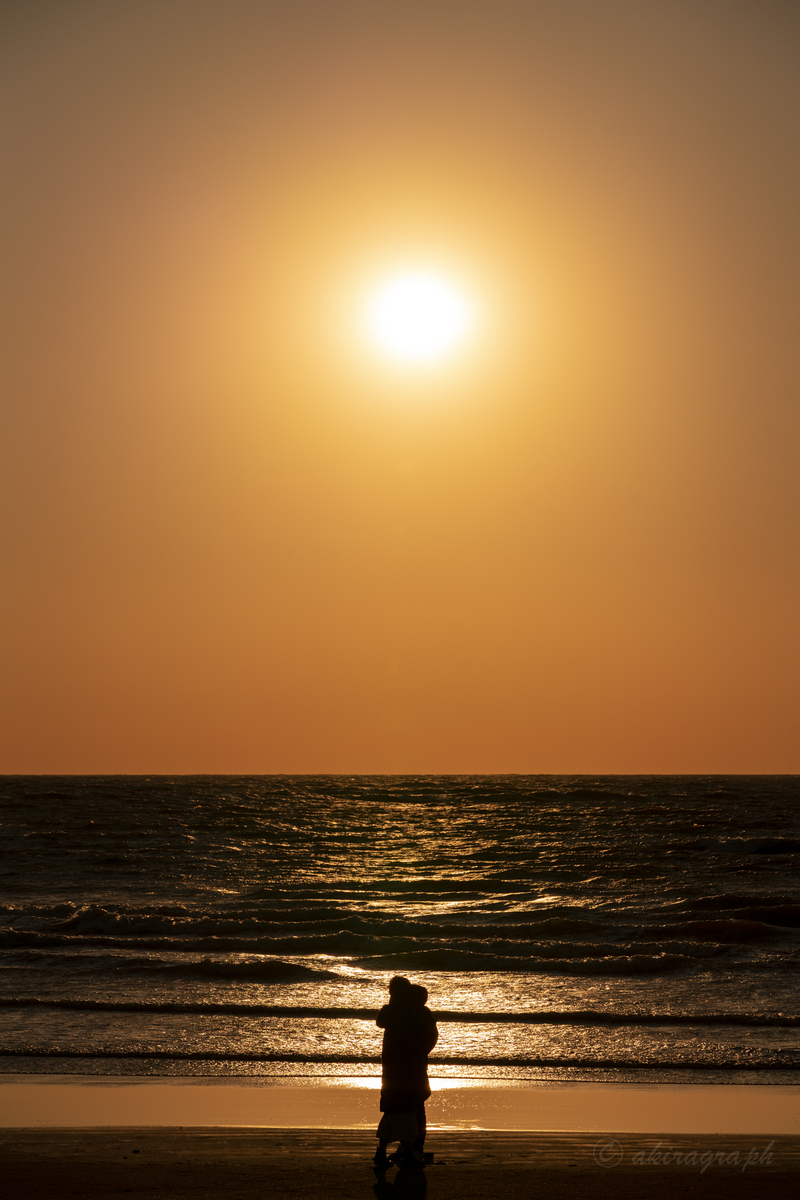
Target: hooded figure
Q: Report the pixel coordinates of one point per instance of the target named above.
(410, 1034)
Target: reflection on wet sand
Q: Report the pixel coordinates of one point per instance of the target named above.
(348, 1104)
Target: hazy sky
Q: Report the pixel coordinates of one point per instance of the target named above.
(236, 541)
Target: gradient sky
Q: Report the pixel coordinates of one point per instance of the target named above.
(235, 541)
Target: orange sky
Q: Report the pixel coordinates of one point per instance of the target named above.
(234, 542)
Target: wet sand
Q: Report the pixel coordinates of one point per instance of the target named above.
(352, 1103)
(238, 1163)
(101, 1137)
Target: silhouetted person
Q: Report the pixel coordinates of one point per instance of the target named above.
(410, 1034)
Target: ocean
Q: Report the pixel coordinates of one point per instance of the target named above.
(566, 927)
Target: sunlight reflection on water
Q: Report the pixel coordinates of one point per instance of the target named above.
(511, 895)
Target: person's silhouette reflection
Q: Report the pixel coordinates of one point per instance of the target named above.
(410, 1034)
(407, 1182)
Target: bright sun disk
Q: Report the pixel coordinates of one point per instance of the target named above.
(418, 316)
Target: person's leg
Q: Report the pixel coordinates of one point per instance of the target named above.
(381, 1158)
(384, 1137)
(422, 1125)
(406, 1128)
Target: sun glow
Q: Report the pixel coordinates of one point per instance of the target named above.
(418, 317)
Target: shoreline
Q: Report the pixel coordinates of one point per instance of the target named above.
(351, 1103)
(82, 1066)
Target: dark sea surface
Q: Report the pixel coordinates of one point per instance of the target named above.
(573, 927)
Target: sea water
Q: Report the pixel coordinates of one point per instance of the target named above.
(566, 927)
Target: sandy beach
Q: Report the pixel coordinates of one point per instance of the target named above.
(200, 1163)
(100, 1138)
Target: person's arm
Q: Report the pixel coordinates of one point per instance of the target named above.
(431, 1033)
(382, 1019)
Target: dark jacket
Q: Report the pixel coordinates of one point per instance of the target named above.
(409, 1036)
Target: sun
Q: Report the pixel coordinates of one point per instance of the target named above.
(418, 316)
